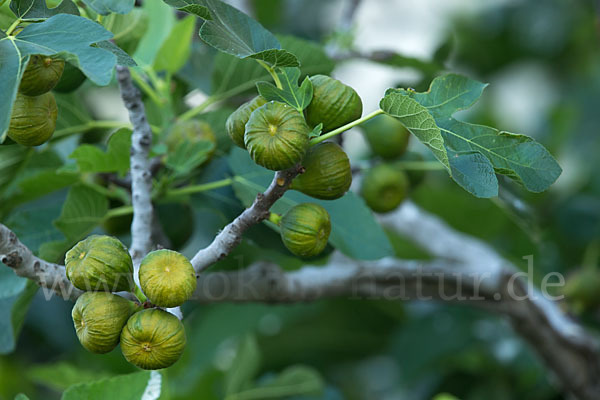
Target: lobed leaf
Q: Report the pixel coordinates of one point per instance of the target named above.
(138, 385)
(36, 10)
(476, 152)
(90, 158)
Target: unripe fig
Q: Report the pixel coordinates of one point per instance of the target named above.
(167, 278)
(384, 188)
(333, 104)
(41, 75)
(191, 130)
(276, 136)
(71, 79)
(153, 339)
(99, 318)
(327, 173)
(387, 137)
(33, 119)
(236, 123)
(305, 229)
(100, 263)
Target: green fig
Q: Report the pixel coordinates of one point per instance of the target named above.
(387, 137)
(99, 318)
(100, 263)
(276, 136)
(236, 123)
(33, 119)
(327, 174)
(384, 188)
(333, 104)
(167, 278)
(41, 75)
(153, 339)
(305, 229)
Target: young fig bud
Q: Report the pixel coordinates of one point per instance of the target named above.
(33, 119)
(327, 174)
(333, 104)
(276, 136)
(305, 229)
(99, 318)
(167, 278)
(384, 188)
(100, 263)
(41, 75)
(153, 339)
(236, 123)
(387, 137)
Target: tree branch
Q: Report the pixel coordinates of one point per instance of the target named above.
(141, 176)
(17, 256)
(231, 235)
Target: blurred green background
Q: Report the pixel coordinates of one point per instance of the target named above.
(542, 60)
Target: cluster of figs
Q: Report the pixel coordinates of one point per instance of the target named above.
(150, 337)
(277, 137)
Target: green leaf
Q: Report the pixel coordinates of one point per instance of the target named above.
(445, 396)
(188, 156)
(316, 132)
(106, 7)
(82, 211)
(68, 35)
(59, 376)
(90, 158)
(237, 75)
(128, 29)
(122, 57)
(347, 213)
(417, 120)
(175, 50)
(477, 151)
(191, 7)
(35, 10)
(244, 368)
(21, 396)
(296, 380)
(124, 387)
(16, 294)
(296, 96)
(160, 23)
(11, 158)
(233, 32)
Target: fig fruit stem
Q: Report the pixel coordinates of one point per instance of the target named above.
(13, 26)
(275, 218)
(200, 188)
(271, 72)
(139, 294)
(344, 128)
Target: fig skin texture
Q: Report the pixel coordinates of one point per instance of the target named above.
(276, 136)
(236, 123)
(153, 339)
(100, 263)
(327, 174)
(41, 75)
(99, 318)
(33, 119)
(387, 137)
(167, 278)
(384, 188)
(334, 104)
(305, 229)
